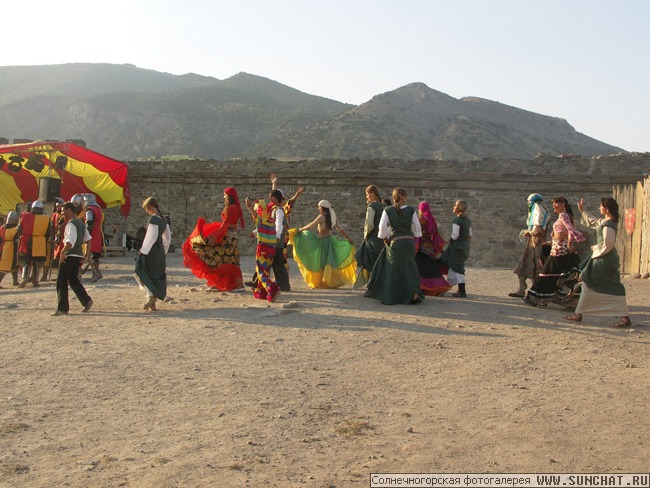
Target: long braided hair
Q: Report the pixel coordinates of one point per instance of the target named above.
(152, 202)
(397, 193)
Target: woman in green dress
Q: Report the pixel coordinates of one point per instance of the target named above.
(151, 263)
(324, 260)
(457, 252)
(372, 245)
(602, 291)
(395, 278)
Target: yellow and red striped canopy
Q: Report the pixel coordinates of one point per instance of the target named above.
(85, 171)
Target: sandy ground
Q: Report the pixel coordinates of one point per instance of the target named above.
(319, 389)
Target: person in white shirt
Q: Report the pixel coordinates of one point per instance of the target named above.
(279, 264)
(75, 234)
(457, 251)
(151, 263)
(395, 278)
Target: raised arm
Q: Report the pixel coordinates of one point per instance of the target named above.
(299, 191)
(313, 224)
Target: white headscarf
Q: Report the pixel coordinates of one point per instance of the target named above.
(326, 204)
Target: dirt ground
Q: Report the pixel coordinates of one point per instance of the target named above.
(319, 389)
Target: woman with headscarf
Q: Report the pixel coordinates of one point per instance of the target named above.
(395, 279)
(530, 263)
(457, 252)
(324, 260)
(428, 250)
(211, 251)
(561, 260)
(372, 245)
(151, 263)
(602, 291)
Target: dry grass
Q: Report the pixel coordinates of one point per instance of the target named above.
(352, 428)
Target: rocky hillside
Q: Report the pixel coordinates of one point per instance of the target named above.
(132, 113)
(416, 122)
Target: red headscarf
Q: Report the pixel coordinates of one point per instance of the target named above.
(231, 192)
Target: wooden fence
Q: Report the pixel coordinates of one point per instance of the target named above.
(633, 242)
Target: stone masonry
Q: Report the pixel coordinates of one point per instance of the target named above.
(495, 190)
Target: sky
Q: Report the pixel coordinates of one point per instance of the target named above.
(586, 61)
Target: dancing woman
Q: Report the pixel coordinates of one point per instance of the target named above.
(372, 245)
(267, 239)
(395, 278)
(530, 263)
(324, 260)
(151, 263)
(428, 250)
(562, 259)
(211, 251)
(602, 291)
(457, 252)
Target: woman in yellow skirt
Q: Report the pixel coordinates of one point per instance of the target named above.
(324, 260)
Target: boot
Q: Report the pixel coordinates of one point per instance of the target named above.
(35, 276)
(45, 271)
(461, 291)
(97, 275)
(25, 277)
(14, 275)
(2, 275)
(521, 292)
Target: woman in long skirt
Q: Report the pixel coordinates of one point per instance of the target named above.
(429, 247)
(151, 263)
(560, 262)
(211, 251)
(602, 290)
(457, 252)
(372, 245)
(324, 260)
(395, 278)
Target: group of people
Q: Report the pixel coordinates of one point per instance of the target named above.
(555, 269)
(211, 251)
(33, 243)
(27, 246)
(401, 259)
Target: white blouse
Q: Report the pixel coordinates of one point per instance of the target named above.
(152, 236)
(384, 228)
(609, 235)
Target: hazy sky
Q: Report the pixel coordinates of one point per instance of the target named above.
(587, 61)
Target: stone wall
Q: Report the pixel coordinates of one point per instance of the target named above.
(496, 191)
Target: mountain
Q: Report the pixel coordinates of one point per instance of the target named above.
(145, 114)
(417, 122)
(134, 113)
(81, 79)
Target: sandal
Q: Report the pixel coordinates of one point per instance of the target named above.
(576, 317)
(151, 304)
(623, 322)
